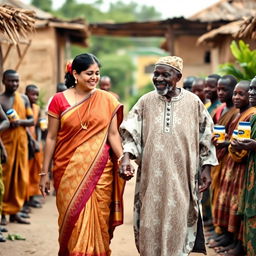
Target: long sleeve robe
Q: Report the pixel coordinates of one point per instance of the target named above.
(170, 141)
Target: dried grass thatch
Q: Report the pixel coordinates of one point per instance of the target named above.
(15, 23)
(214, 36)
(227, 10)
(247, 29)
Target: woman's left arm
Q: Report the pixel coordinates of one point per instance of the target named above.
(114, 138)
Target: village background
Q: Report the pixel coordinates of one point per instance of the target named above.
(128, 38)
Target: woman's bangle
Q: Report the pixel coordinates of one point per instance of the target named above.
(120, 159)
(42, 174)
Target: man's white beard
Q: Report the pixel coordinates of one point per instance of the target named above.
(165, 91)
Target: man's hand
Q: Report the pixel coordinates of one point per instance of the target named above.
(15, 123)
(126, 170)
(36, 145)
(247, 144)
(236, 145)
(217, 144)
(44, 184)
(206, 179)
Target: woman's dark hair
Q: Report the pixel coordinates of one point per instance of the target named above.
(80, 63)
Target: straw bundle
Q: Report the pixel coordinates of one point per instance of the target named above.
(247, 29)
(16, 23)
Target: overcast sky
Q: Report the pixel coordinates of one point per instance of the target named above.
(168, 9)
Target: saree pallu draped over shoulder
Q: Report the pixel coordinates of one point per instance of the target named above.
(89, 190)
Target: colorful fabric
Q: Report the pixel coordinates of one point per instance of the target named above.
(215, 111)
(213, 107)
(88, 187)
(226, 120)
(232, 184)
(58, 106)
(35, 163)
(15, 171)
(247, 206)
(170, 142)
(218, 112)
(1, 188)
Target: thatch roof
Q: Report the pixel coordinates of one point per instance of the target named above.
(40, 14)
(240, 29)
(228, 10)
(76, 30)
(15, 23)
(215, 35)
(247, 29)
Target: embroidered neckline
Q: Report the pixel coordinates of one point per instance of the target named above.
(176, 98)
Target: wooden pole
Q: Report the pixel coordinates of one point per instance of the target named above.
(170, 40)
(23, 55)
(7, 53)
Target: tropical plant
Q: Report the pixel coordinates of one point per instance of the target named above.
(245, 66)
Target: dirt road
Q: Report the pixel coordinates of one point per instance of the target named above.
(41, 235)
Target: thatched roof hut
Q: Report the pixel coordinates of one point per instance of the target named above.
(215, 36)
(228, 10)
(15, 23)
(241, 29)
(247, 29)
(44, 56)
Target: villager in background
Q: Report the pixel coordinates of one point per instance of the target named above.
(15, 170)
(105, 84)
(35, 133)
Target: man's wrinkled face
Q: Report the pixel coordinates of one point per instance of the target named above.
(165, 79)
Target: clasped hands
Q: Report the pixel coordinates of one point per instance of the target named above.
(126, 169)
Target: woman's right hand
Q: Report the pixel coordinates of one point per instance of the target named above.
(44, 184)
(126, 169)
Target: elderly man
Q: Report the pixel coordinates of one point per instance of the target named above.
(168, 132)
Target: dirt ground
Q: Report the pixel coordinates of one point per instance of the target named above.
(41, 235)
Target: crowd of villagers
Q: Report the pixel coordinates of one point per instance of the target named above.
(229, 206)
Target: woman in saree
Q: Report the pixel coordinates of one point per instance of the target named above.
(84, 143)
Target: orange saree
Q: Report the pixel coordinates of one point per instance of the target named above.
(88, 188)
(15, 171)
(35, 163)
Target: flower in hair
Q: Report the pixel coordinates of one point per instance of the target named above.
(69, 67)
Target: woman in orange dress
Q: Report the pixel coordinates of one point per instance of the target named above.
(84, 143)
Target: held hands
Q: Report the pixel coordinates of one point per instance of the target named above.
(126, 170)
(44, 184)
(206, 179)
